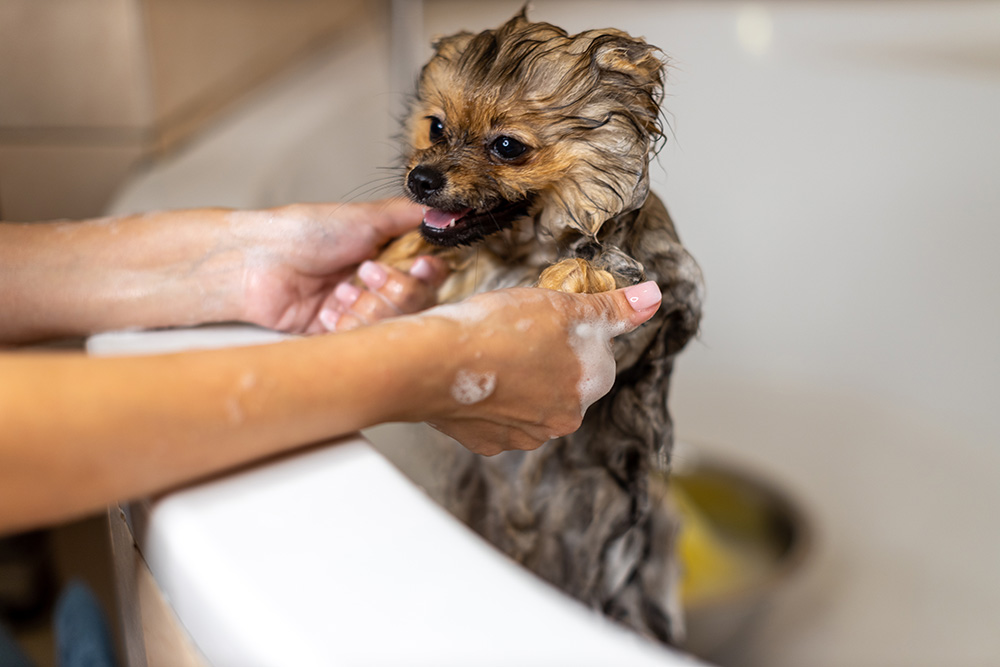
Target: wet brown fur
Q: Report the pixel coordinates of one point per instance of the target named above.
(588, 104)
(578, 510)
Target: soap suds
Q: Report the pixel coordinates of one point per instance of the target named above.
(234, 412)
(470, 387)
(234, 403)
(476, 310)
(591, 341)
(248, 381)
(463, 313)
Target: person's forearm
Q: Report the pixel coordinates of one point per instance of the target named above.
(74, 278)
(79, 433)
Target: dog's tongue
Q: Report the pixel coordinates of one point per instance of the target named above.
(442, 219)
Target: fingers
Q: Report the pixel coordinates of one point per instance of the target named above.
(629, 306)
(550, 352)
(491, 439)
(392, 217)
(388, 293)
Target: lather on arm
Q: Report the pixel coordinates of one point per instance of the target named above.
(277, 267)
(81, 432)
(78, 432)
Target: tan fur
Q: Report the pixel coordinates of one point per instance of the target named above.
(576, 276)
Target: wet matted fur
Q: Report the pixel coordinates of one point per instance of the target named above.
(531, 148)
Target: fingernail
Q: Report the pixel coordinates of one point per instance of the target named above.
(422, 269)
(347, 293)
(372, 274)
(328, 317)
(643, 296)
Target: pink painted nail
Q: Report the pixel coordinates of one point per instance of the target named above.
(372, 274)
(346, 293)
(422, 269)
(329, 318)
(643, 296)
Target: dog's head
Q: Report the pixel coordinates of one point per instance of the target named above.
(527, 118)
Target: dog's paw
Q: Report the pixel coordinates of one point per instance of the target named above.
(402, 251)
(576, 276)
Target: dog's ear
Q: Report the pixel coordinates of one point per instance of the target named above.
(522, 16)
(450, 46)
(439, 71)
(630, 56)
(619, 54)
(608, 163)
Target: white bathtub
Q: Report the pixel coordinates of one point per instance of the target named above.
(834, 167)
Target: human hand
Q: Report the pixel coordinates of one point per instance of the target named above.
(529, 362)
(294, 257)
(388, 293)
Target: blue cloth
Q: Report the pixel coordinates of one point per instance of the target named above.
(83, 638)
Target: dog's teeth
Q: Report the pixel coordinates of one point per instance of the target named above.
(439, 219)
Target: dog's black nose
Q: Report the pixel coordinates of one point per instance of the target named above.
(424, 181)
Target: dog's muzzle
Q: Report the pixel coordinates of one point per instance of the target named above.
(453, 223)
(425, 182)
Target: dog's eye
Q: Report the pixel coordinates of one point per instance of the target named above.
(437, 128)
(508, 148)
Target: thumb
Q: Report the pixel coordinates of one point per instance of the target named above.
(631, 306)
(393, 217)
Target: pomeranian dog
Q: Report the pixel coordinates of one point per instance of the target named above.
(530, 149)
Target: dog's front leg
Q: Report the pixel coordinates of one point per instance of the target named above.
(592, 271)
(577, 276)
(402, 251)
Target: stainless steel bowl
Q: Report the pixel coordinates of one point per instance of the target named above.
(741, 540)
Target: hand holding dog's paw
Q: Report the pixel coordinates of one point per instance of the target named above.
(530, 362)
(387, 292)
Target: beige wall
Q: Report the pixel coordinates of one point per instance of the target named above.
(90, 88)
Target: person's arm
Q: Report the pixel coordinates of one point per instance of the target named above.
(277, 267)
(80, 432)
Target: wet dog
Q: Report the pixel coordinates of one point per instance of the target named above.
(530, 149)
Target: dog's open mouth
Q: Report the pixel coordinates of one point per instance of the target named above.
(466, 226)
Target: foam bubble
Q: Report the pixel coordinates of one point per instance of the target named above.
(591, 341)
(470, 387)
(463, 312)
(474, 310)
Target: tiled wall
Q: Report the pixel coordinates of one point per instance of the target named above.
(90, 88)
